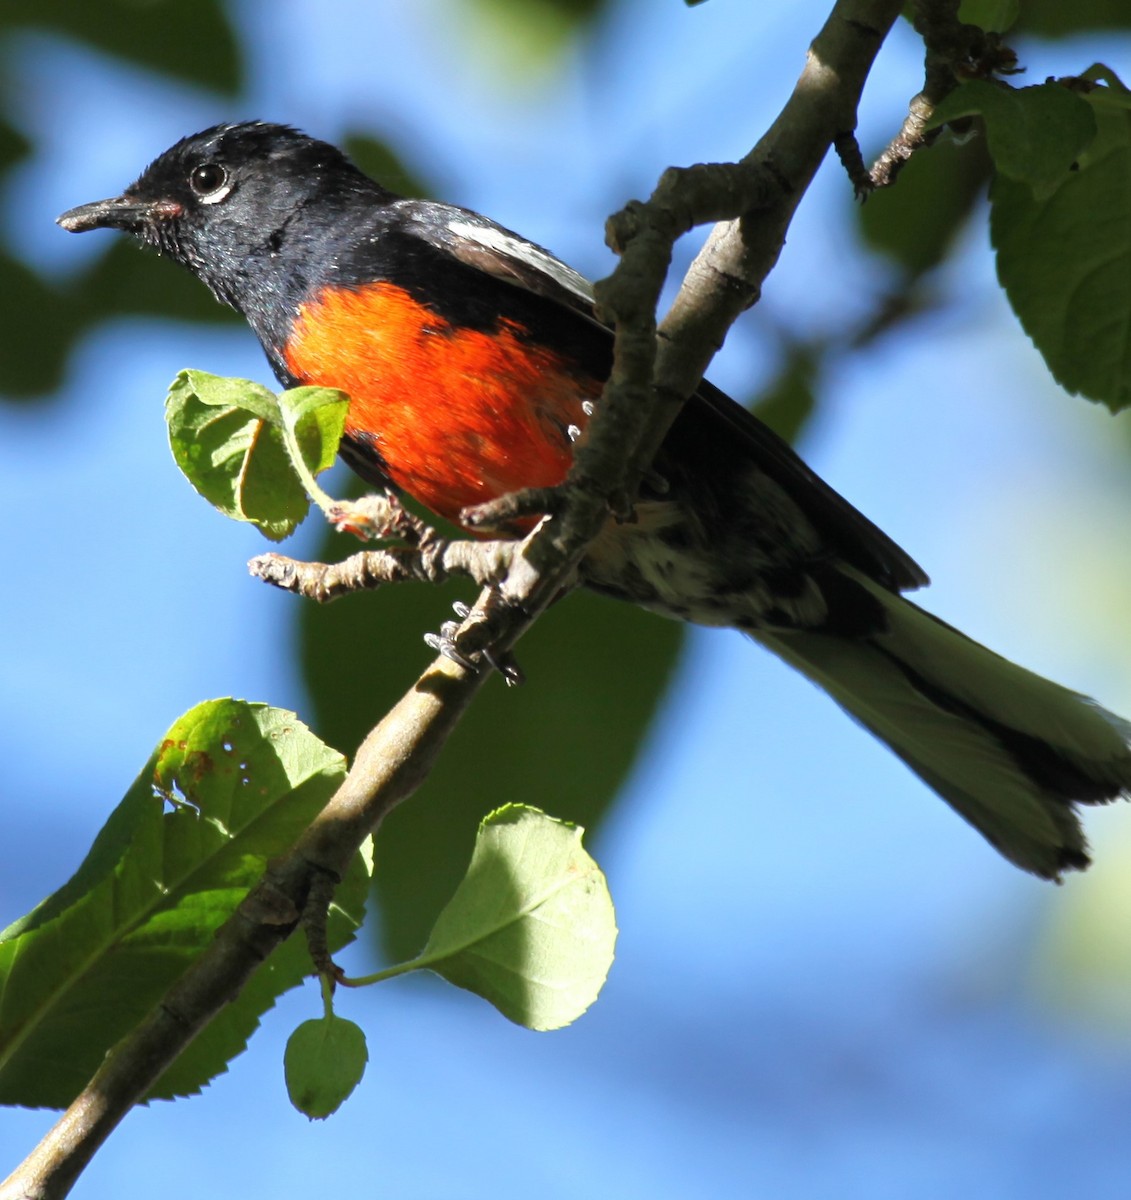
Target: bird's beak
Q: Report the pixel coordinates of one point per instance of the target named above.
(122, 212)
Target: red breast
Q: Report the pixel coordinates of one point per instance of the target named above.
(459, 416)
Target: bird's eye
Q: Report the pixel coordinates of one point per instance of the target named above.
(210, 182)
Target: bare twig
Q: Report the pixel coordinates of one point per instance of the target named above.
(435, 562)
(852, 160)
(953, 51)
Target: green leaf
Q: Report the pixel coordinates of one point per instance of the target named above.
(994, 16)
(1035, 134)
(314, 419)
(231, 785)
(324, 1061)
(531, 928)
(1064, 259)
(250, 453)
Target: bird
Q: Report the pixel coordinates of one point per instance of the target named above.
(474, 360)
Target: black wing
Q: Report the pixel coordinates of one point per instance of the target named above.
(485, 247)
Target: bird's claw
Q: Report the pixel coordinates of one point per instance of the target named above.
(445, 643)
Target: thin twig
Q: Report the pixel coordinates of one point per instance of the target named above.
(953, 51)
(437, 561)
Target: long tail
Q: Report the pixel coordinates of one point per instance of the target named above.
(1009, 751)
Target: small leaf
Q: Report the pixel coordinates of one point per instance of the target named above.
(314, 419)
(1064, 259)
(1035, 134)
(324, 1061)
(250, 453)
(231, 785)
(531, 928)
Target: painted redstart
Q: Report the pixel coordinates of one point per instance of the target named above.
(473, 358)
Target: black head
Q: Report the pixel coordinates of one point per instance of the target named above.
(225, 200)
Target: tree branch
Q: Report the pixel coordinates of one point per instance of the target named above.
(727, 275)
(649, 381)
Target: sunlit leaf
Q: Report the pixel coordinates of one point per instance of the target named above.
(323, 1063)
(231, 785)
(250, 453)
(531, 926)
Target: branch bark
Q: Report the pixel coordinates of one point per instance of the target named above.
(653, 372)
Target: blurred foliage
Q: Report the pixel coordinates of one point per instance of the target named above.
(379, 162)
(192, 42)
(992, 15)
(791, 399)
(13, 145)
(196, 43)
(520, 39)
(569, 13)
(1055, 19)
(1082, 963)
(916, 222)
(43, 322)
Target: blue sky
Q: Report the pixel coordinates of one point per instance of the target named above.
(826, 985)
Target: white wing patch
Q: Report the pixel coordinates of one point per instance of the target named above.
(493, 238)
